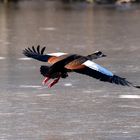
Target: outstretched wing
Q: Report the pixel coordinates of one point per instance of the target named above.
(38, 54)
(96, 71)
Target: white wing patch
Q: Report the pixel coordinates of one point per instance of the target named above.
(97, 67)
(57, 54)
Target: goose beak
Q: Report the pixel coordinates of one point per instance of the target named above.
(103, 55)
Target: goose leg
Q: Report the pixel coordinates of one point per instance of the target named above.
(45, 80)
(54, 82)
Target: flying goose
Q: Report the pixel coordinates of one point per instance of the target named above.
(63, 63)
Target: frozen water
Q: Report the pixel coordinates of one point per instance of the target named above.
(78, 107)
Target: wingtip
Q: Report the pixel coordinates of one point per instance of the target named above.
(43, 49)
(25, 52)
(136, 86)
(121, 81)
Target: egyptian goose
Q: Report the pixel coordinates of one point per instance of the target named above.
(63, 63)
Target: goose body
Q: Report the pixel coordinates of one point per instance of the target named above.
(63, 63)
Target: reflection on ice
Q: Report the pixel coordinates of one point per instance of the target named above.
(30, 86)
(68, 84)
(24, 58)
(2, 58)
(48, 28)
(44, 95)
(130, 96)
